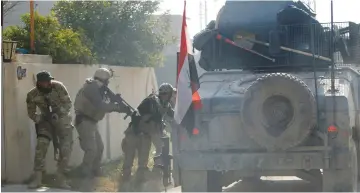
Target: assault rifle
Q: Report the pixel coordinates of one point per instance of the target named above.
(116, 98)
(49, 118)
(166, 161)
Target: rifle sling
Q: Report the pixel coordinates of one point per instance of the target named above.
(52, 129)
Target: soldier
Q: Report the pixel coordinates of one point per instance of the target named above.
(90, 107)
(146, 129)
(52, 94)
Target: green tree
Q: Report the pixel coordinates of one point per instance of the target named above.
(125, 33)
(64, 45)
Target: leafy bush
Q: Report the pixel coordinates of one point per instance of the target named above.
(123, 33)
(64, 45)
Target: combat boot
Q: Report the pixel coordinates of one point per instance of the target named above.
(61, 181)
(125, 178)
(36, 181)
(98, 172)
(85, 172)
(157, 173)
(140, 175)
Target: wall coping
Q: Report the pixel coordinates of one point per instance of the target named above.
(33, 58)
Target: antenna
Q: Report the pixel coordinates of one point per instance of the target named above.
(332, 49)
(206, 14)
(201, 14)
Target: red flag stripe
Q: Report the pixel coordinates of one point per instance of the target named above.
(196, 101)
(183, 44)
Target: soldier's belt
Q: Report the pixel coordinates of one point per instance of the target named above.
(80, 117)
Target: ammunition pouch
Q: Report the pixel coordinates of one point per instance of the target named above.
(135, 121)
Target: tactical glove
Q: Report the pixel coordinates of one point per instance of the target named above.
(128, 110)
(123, 109)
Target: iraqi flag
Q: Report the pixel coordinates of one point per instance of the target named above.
(188, 99)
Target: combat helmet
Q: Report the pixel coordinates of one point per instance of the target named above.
(166, 88)
(103, 74)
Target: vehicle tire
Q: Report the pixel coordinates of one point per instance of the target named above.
(278, 111)
(343, 180)
(200, 181)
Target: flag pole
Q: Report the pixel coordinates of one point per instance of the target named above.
(32, 26)
(177, 67)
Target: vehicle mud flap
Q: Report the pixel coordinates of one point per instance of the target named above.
(278, 111)
(214, 181)
(345, 179)
(200, 181)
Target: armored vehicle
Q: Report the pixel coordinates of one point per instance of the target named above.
(280, 98)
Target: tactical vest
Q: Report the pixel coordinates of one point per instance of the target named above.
(85, 107)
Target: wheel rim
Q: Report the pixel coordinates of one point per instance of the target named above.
(278, 113)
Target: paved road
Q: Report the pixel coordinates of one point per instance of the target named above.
(268, 184)
(23, 188)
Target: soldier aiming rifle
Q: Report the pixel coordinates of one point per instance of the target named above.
(90, 107)
(146, 127)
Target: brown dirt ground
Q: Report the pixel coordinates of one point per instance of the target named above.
(110, 181)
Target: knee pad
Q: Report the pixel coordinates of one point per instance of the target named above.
(43, 137)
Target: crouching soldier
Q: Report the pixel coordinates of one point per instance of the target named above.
(53, 100)
(146, 127)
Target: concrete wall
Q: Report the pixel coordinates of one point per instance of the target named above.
(19, 133)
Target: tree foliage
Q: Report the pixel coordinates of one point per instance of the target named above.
(64, 45)
(123, 33)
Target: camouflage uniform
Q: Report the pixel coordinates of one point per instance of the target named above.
(90, 107)
(60, 103)
(149, 128)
